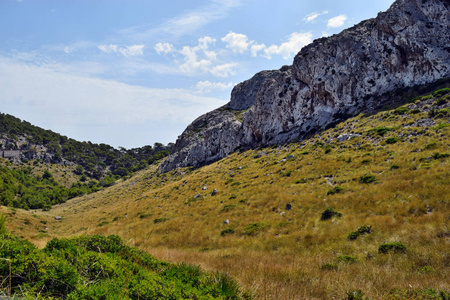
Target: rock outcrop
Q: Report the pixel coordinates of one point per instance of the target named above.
(330, 80)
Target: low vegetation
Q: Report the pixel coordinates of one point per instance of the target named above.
(99, 267)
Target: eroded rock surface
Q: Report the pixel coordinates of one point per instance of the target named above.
(330, 80)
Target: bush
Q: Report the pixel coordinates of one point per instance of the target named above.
(227, 231)
(395, 247)
(335, 190)
(401, 111)
(367, 179)
(392, 140)
(255, 228)
(329, 213)
(346, 259)
(360, 231)
(441, 92)
(379, 131)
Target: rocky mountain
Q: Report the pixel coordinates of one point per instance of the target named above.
(356, 71)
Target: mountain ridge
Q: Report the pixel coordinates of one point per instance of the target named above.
(330, 80)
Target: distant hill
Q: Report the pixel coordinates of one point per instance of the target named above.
(42, 168)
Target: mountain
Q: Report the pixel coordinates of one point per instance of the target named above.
(357, 71)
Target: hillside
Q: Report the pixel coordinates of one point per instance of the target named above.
(358, 209)
(40, 168)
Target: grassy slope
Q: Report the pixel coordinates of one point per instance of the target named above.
(408, 203)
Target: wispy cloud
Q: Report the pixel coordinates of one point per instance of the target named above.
(133, 50)
(184, 24)
(313, 16)
(96, 109)
(337, 21)
(206, 87)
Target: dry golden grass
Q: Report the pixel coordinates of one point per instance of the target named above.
(408, 203)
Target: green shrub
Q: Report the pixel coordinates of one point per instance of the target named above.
(441, 92)
(227, 231)
(255, 228)
(329, 213)
(335, 190)
(379, 131)
(392, 140)
(440, 155)
(346, 259)
(367, 179)
(395, 247)
(401, 111)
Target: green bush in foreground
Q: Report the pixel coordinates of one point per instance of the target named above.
(99, 267)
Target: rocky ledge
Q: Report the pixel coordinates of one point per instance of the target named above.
(329, 81)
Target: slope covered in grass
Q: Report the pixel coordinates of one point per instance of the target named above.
(369, 206)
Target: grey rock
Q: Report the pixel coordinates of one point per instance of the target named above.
(346, 136)
(330, 80)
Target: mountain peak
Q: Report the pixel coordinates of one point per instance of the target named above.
(329, 81)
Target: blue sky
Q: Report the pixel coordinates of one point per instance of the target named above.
(132, 73)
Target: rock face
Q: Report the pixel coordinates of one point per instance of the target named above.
(330, 80)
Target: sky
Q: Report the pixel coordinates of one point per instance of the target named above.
(132, 73)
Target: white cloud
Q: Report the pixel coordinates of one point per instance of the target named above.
(337, 21)
(313, 16)
(187, 23)
(295, 43)
(98, 110)
(224, 70)
(164, 48)
(134, 50)
(201, 60)
(256, 48)
(206, 87)
(237, 42)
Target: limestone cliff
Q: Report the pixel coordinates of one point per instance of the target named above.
(330, 80)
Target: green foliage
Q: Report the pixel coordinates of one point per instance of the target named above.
(346, 259)
(395, 247)
(227, 231)
(98, 267)
(440, 155)
(255, 228)
(392, 140)
(401, 111)
(367, 179)
(95, 159)
(379, 131)
(360, 231)
(335, 190)
(2, 224)
(329, 213)
(20, 189)
(441, 92)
